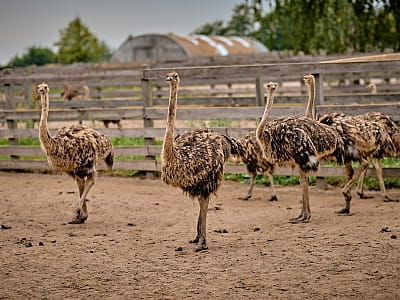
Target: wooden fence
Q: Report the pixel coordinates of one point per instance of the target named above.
(138, 97)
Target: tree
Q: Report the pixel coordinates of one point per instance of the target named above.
(313, 26)
(78, 44)
(34, 56)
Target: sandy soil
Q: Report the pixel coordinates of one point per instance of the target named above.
(128, 249)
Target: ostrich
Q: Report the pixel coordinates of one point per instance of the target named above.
(253, 154)
(69, 92)
(194, 161)
(298, 142)
(254, 161)
(394, 133)
(363, 140)
(74, 151)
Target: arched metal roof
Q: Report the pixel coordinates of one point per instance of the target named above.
(158, 47)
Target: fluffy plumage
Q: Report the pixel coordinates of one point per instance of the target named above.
(298, 142)
(194, 161)
(74, 151)
(394, 133)
(255, 163)
(363, 140)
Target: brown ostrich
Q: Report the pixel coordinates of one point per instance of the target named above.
(255, 163)
(394, 133)
(69, 92)
(253, 158)
(363, 141)
(74, 151)
(298, 142)
(194, 160)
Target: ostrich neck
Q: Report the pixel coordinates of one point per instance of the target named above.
(264, 119)
(311, 101)
(44, 133)
(168, 144)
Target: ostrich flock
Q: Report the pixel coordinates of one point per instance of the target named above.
(194, 161)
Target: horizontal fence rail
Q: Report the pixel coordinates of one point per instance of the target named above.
(228, 92)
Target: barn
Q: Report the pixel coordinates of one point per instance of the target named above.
(169, 47)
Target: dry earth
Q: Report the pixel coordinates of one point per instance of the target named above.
(128, 247)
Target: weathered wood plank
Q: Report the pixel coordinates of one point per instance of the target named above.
(276, 69)
(77, 114)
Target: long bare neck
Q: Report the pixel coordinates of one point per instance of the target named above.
(44, 134)
(265, 117)
(168, 144)
(311, 101)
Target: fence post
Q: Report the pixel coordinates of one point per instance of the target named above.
(11, 103)
(260, 101)
(319, 100)
(148, 102)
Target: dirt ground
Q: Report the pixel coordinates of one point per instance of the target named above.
(129, 246)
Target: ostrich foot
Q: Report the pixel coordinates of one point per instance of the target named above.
(195, 240)
(389, 199)
(201, 248)
(247, 197)
(79, 218)
(344, 211)
(363, 196)
(303, 218)
(273, 198)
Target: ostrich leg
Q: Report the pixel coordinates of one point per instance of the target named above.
(250, 192)
(360, 186)
(347, 188)
(81, 213)
(271, 182)
(201, 225)
(305, 215)
(379, 174)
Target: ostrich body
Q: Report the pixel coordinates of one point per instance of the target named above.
(394, 133)
(298, 142)
(69, 92)
(74, 151)
(253, 158)
(363, 140)
(194, 161)
(255, 163)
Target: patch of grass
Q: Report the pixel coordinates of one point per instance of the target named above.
(219, 122)
(126, 141)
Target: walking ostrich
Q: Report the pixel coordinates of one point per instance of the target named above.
(394, 132)
(74, 151)
(194, 161)
(363, 140)
(253, 158)
(298, 142)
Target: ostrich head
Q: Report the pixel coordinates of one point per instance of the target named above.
(173, 77)
(42, 88)
(308, 79)
(271, 86)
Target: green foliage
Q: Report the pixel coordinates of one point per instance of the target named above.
(78, 44)
(33, 56)
(313, 26)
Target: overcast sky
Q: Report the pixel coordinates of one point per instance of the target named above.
(26, 23)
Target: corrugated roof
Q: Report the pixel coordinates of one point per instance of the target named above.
(209, 45)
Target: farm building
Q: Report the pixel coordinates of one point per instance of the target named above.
(165, 47)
